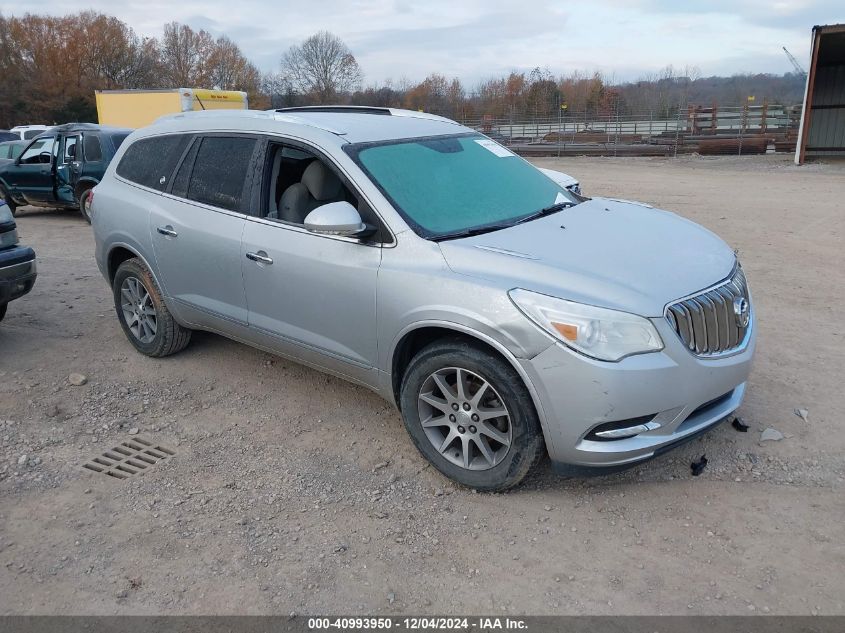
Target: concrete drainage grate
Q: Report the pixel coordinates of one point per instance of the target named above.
(131, 457)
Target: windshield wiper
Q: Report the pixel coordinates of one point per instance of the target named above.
(554, 208)
(478, 230)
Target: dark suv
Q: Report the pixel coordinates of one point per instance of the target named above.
(17, 263)
(59, 167)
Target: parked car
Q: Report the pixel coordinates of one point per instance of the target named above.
(17, 263)
(564, 180)
(29, 132)
(12, 149)
(499, 311)
(58, 168)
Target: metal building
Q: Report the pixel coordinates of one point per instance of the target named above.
(822, 131)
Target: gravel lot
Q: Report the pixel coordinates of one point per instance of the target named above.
(291, 491)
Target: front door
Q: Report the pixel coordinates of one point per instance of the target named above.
(314, 294)
(31, 177)
(68, 168)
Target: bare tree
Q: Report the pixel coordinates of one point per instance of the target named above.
(228, 68)
(322, 66)
(185, 56)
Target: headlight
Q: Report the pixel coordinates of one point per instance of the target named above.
(596, 332)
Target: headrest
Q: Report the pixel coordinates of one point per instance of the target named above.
(321, 183)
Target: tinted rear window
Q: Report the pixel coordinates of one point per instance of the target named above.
(150, 161)
(117, 139)
(219, 171)
(91, 146)
(32, 134)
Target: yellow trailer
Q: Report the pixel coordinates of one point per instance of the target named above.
(137, 108)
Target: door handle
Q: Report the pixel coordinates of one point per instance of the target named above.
(167, 230)
(260, 257)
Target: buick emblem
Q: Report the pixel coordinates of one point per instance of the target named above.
(742, 311)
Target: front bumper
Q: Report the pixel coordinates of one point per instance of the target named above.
(683, 393)
(17, 272)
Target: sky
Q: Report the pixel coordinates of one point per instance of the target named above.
(478, 39)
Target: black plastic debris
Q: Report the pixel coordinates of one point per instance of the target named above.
(739, 425)
(699, 466)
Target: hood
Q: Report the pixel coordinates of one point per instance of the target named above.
(610, 253)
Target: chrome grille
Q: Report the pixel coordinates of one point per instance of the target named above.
(708, 323)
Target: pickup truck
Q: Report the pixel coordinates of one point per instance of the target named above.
(60, 166)
(17, 263)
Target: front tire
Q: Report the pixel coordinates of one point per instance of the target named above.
(142, 313)
(469, 413)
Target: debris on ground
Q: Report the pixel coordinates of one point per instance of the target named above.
(699, 466)
(771, 435)
(77, 380)
(802, 413)
(740, 425)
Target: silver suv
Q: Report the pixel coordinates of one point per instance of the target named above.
(501, 312)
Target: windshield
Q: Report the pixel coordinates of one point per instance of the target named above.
(452, 184)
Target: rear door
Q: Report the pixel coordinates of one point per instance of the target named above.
(31, 176)
(197, 228)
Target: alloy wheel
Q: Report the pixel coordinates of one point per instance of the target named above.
(138, 310)
(464, 418)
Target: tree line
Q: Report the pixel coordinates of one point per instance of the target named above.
(51, 67)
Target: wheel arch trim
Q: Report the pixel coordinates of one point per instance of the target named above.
(482, 337)
(135, 251)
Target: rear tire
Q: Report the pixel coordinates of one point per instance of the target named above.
(142, 313)
(10, 203)
(494, 429)
(83, 205)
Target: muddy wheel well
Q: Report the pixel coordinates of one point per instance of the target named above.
(116, 258)
(415, 340)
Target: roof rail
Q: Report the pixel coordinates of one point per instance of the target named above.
(338, 108)
(350, 109)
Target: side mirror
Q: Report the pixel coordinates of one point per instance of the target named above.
(335, 218)
(45, 157)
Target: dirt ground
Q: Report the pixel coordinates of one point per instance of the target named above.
(290, 491)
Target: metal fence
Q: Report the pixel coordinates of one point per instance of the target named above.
(690, 129)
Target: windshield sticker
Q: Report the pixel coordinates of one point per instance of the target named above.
(494, 147)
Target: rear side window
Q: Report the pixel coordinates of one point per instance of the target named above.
(31, 134)
(150, 161)
(219, 171)
(91, 146)
(117, 140)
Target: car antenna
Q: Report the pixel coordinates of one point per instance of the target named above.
(197, 97)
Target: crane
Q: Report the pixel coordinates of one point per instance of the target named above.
(795, 64)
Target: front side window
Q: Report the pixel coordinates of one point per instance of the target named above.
(298, 183)
(150, 161)
(39, 151)
(219, 171)
(71, 149)
(449, 185)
